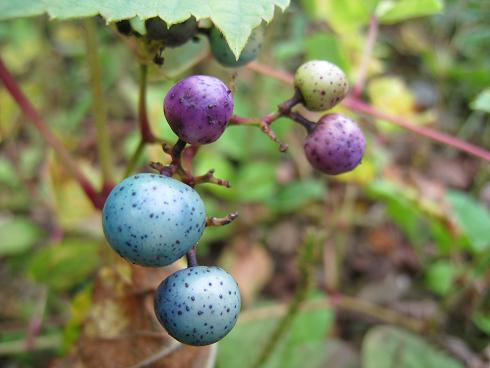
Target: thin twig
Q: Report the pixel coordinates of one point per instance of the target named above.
(69, 163)
(144, 123)
(360, 106)
(167, 350)
(366, 57)
(220, 221)
(98, 102)
(133, 161)
(264, 123)
(306, 259)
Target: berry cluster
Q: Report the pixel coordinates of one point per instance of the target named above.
(335, 144)
(157, 35)
(153, 220)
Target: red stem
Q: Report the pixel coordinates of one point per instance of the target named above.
(68, 161)
(366, 57)
(358, 105)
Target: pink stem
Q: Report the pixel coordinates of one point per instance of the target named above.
(366, 57)
(68, 161)
(358, 105)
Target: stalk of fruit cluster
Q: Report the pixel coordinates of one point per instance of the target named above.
(69, 163)
(358, 105)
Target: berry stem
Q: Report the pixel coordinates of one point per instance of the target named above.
(191, 257)
(366, 57)
(66, 159)
(358, 105)
(98, 101)
(264, 123)
(220, 221)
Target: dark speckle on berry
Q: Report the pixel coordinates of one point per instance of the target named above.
(198, 324)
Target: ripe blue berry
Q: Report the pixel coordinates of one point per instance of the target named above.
(223, 54)
(198, 109)
(198, 305)
(173, 36)
(321, 84)
(336, 145)
(153, 220)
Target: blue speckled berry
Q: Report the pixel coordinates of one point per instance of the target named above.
(153, 220)
(198, 305)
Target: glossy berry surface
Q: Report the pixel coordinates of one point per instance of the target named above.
(153, 220)
(321, 84)
(173, 36)
(198, 305)
(198, 109)
(223, 54)
(336, 145)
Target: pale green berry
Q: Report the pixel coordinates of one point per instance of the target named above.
(322, 84)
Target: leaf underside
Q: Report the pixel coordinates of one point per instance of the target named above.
(235, 18)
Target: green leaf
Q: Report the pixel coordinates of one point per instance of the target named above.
(473, 218)
(482, 321)
(61, 266)
(345, 15)
(299, 193)
(322, 46)
(387, 347)
(440, 277)
(391, 11)
(235, 18)
(305, 339)
(20, 8)
(482, 101)
(18, 235)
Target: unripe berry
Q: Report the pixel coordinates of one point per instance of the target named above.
(335, 145)
(176, 35)
(321, 84)
(223, 54)
(153, 220)
(198, 109)
(198, 305)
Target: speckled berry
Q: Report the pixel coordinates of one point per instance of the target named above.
(153, 220)
(198, 305)
(336, 145)
(198, 109)
(173, 36)
(321, 84)
(223, 54)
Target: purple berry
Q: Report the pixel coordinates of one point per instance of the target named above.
(335, 145)
(198, 109)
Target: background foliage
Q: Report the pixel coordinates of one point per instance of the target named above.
(407, 232)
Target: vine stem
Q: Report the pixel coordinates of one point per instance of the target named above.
(358, 105)
(306, 259)
(98, 102)
(144, 124)
(66, 159)
(366, 56)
